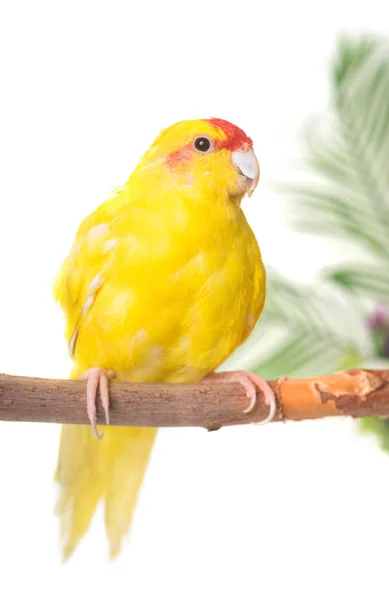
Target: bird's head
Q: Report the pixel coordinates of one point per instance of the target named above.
(203, 154)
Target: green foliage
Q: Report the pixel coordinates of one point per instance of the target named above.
(371, 281)
(343, 194)
(346, 194)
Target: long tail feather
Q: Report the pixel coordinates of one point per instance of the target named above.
(89, 470)
(129, 458)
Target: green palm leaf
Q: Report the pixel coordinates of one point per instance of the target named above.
(347, 192)
(370, 281)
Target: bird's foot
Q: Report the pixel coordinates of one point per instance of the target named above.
(97, 379)
(250, 382)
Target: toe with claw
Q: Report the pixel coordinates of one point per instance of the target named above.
(97, 379)
(250, 382)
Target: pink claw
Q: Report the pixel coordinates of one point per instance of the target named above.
(250, 382)
(97, 378)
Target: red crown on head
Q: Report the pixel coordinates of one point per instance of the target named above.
(236, 137)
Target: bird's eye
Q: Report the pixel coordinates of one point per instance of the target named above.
(202, 144)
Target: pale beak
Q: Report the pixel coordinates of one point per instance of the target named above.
(248, 165)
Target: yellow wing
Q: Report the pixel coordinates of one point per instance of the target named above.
(86, 269)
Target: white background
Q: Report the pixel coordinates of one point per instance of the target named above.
(287, 511)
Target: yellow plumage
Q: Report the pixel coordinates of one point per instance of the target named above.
(162, 283)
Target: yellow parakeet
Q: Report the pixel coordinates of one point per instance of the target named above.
(162, 283)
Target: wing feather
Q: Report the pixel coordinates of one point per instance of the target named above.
(85, 270)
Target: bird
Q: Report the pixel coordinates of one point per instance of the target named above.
(164, 280)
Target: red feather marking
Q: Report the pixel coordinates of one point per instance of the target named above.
(236, 137)
(179, 157)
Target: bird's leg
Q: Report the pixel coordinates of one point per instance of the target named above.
(97, 378)
(250, 382)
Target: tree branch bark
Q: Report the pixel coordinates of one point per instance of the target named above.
(355, 393)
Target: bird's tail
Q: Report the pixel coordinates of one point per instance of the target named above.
(89, 470)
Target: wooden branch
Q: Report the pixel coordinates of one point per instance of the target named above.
(355, 393)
